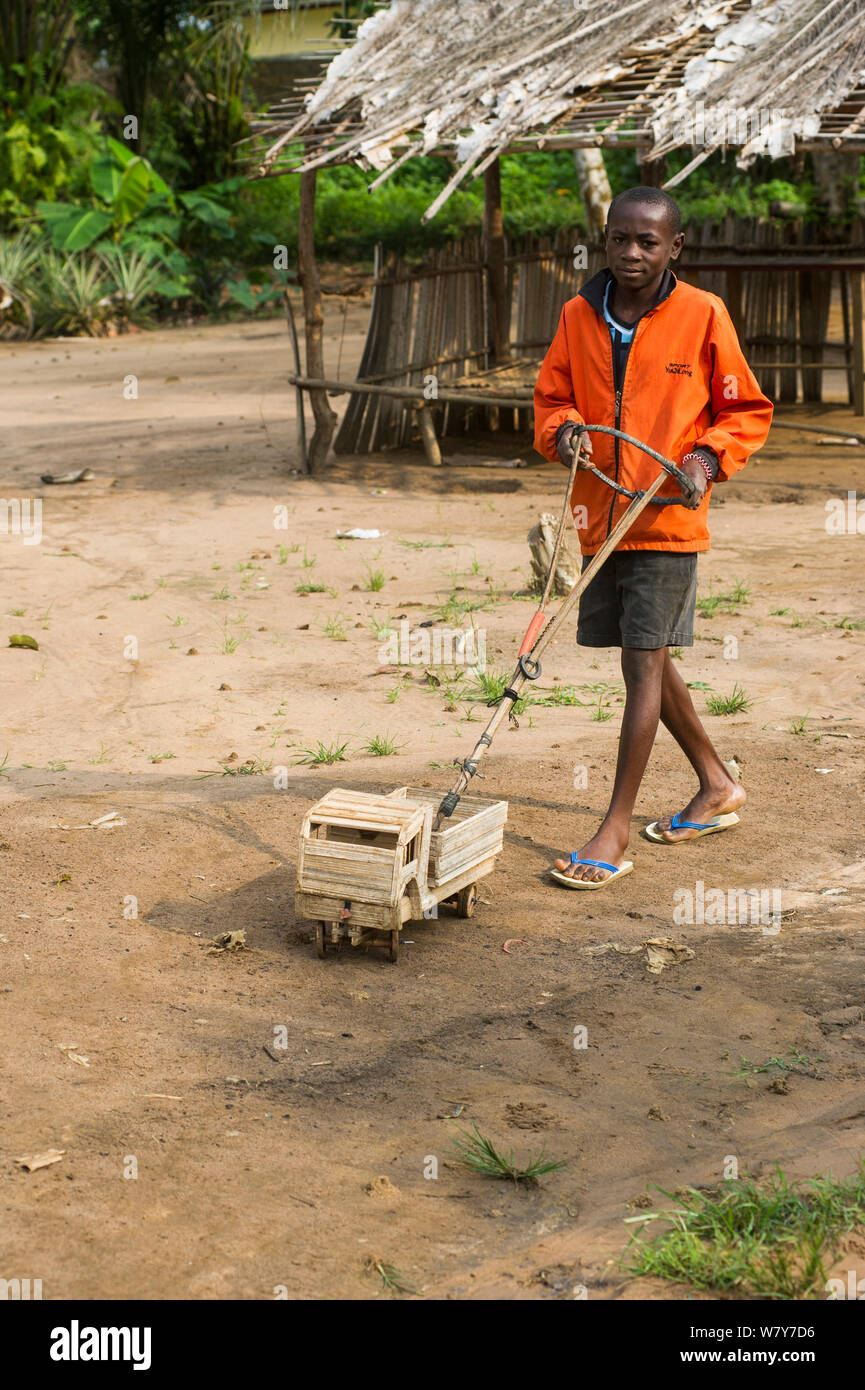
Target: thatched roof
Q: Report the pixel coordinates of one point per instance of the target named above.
(478, 77)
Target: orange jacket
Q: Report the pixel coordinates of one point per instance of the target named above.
(686, 384)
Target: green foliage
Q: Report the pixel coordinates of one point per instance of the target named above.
(769, 1240)
(129, 196)
(210, 121)
(137, 276)
(539, 194)
(181, 68)
(133, 211)
(35, 39)
(76, 293)
(18, 257)
(139, 40)
(197, 229)
(46, 143)
(71, 295)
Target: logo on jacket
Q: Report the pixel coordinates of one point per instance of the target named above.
(680, 368)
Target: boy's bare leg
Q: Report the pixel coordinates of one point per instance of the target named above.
(643, 672)
(719, 792)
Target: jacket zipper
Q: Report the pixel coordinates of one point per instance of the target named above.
(619, 394)
(616, 454)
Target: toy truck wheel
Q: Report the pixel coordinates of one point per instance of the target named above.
(393, 949)
(320, 945)
(466, 899)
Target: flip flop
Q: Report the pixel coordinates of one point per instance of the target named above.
(614, 872)
(709, 827)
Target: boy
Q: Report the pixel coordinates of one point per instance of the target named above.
(639, 350)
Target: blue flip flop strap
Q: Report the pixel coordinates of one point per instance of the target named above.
(595, 863)
(677, 824)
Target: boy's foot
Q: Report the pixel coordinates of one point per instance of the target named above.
(606, 846)
(704, 807)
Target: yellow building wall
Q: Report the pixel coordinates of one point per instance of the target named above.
(282, 34)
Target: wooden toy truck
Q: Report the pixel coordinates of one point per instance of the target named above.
(370, 863)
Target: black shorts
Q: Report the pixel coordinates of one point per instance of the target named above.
(640, 598)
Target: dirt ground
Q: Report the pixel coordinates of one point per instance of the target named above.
(175, 653)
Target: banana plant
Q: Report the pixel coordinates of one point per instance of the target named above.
(129, 192)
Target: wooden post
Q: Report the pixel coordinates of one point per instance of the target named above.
(299, 401)
(428, 435)
(499, 318)
(858, 347)
(848, 340)
(313, 313)
(734, 302)
(652, 171)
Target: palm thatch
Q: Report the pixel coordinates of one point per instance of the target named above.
(767, 77)
(477, 77)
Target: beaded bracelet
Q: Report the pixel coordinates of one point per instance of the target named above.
(698, 458)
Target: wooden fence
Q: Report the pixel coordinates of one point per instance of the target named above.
(431, 321)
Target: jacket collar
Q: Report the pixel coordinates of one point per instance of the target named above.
(594, 290)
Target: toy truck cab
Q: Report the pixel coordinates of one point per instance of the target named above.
(368, 863)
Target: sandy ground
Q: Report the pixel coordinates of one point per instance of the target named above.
(201, 1158)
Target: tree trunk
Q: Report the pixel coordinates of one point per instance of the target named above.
(595, 190)
(313, 315)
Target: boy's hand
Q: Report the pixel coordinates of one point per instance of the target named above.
(692, 465)
(567, 445)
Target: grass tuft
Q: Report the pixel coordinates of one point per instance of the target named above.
(488, 688)
(323, 753)
(392, 1279)
(479, 1154)
(559, 695)
(425, 545)
(381, 746)
(771, 1240)
(794, 1062)
(728, 602)
(375, 580)
(737, 702)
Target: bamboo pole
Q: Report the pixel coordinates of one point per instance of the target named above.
(409, 393)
